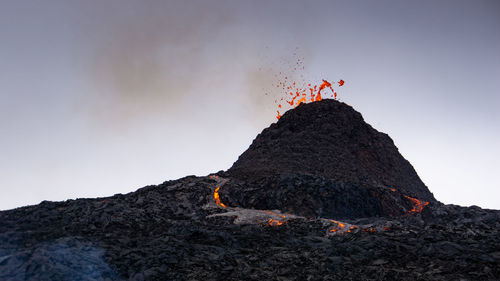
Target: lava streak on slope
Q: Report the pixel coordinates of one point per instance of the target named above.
(220, 183)
(342, 227)
(217, 198)
(273, 222)
(276, 218)
(418, 205)
(339, 224)
(272, 218)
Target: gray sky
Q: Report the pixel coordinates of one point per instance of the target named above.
(104, 97)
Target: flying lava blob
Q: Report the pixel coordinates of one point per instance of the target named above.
(295, 95)
(297, 90)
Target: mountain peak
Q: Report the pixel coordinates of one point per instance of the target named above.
(329, 139)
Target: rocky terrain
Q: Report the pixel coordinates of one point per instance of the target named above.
(320, 195)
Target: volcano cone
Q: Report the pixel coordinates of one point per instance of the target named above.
(329, 143)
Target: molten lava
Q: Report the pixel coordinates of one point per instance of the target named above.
(297, 90)
(217, 198)
(304, 94)
(273, 222)
(418, 205)
(339, 224)
(322, 86)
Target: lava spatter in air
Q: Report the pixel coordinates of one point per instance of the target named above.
(296, 92)
(295, 95)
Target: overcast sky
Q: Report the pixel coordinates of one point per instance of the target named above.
(106, 96)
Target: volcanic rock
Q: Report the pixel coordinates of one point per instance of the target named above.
(329, 139)
(308, 201)
(322, 159)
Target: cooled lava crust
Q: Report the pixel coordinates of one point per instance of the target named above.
(322, 159)
(320, 195)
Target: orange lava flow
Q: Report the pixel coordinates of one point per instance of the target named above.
(217, 198)
(418, 205)
(341, 225)
(275, 222)
(352, 228)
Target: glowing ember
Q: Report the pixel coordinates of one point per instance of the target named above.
(217, 198)
(352, 228)
(296, 92)
(273, 222)
(339, 224)
(418, 205)
(305, 93)
(321, 87)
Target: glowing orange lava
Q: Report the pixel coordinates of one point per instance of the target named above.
(217, 198)
(298, 92)
(275, 222)
(321, 87)
(304, 94)
(352, 228)
(341, 225)
(418, 205)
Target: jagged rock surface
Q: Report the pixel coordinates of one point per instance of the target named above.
(329, 139)
(176, 231)
(165, 232)
(304, 195)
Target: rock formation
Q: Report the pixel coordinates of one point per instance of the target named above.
(320, 195)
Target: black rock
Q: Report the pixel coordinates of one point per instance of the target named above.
(318, 196)
(329, 139)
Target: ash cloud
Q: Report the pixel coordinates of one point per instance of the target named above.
(147, 56)
(152, 57)
(261, 84)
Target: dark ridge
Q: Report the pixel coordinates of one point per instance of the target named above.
(329, 139)
(308, 196)
(342, 190)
